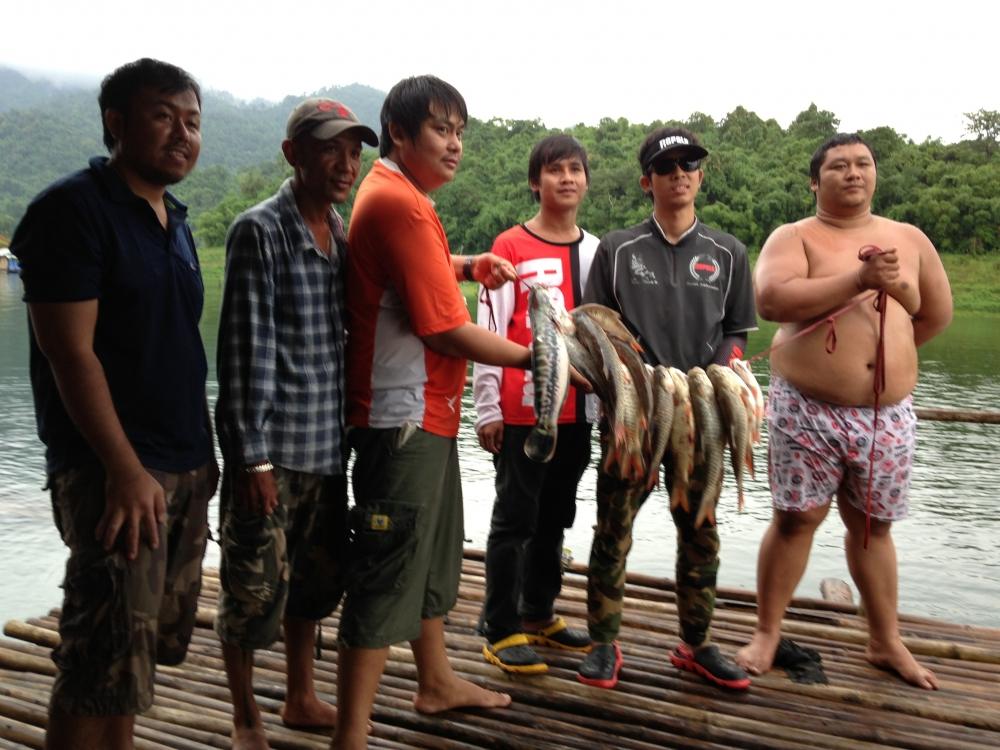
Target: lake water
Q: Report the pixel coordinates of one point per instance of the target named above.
(949, 547)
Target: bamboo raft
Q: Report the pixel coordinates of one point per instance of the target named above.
(654, 705)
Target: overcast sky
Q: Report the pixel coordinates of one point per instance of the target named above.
(912, 65)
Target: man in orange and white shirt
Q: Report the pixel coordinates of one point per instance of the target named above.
(410, 337)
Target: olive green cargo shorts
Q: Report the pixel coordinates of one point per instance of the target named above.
(406, 535)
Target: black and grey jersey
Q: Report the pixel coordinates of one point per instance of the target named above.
(679, 300)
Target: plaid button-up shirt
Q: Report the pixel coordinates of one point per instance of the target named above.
(281, 341)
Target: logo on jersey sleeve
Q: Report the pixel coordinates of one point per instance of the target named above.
(704, 269)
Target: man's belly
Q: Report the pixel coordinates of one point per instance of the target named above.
(847, 374)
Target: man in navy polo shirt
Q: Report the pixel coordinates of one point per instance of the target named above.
(118, 369)
(685, 291)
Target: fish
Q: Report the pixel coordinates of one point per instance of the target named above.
(662, 423)
(710, 442)
(682, 439)
(640, 378)
(549, 374)
(729, 389)
(602, 357)
(626, 452)
(581, 358)
(742, 368)
(611, 321)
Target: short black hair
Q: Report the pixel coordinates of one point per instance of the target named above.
(408, 105)
(551, 149)
(119, 88)
(840, 139)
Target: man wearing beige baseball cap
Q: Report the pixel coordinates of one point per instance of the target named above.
(283, 504)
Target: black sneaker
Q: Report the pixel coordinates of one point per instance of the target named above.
(601, 666)
(514, 654)
(708, 662)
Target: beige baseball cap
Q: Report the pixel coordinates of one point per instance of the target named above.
(326, 118)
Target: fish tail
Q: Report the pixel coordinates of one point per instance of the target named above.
(609, 459)
(679, 497)
(652, 478)
(540, 444)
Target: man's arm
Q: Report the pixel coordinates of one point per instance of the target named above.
(784, 291)
(134, 501)
(740, 315)
(936, 305)
(469, 341)
(488, 269)
(246, 363)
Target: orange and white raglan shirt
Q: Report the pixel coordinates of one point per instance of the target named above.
(400, 286)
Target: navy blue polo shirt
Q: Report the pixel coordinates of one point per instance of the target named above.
(88, 236)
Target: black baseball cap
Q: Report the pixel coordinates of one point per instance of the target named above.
(676, 141)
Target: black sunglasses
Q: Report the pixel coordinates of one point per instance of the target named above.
(667, 166)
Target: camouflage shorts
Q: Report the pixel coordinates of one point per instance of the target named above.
(290, 563)
(120, 618)
(696, 564)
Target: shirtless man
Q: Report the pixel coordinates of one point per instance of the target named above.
(820, 417)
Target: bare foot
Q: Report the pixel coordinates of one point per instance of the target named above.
(249, 738)
(458, 693)
(310, 713)
(897, 658)
(758, 655)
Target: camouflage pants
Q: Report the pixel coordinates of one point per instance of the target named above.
(120, 618)
(697, 560)
(291, 562)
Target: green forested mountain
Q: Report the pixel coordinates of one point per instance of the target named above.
(756, 177)
(48, 131)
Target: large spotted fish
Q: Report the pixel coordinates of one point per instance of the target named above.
(549, 374)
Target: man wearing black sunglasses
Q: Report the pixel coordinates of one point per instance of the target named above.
(685, 291)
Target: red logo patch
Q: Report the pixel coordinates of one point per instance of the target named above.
(326, 106)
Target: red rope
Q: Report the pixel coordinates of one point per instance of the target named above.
(484, 298)
(878, 386)
(831, 335)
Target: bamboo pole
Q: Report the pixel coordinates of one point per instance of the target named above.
(24, 735)
(655, 705)
(957, 415)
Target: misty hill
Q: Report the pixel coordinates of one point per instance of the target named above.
(755, 179)
(47, 131)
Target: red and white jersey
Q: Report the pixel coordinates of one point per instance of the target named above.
(507, 393)
(400, 286)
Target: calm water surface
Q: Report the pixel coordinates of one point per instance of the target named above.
(949, 553)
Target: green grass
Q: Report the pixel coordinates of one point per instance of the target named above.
(975, 279)
(975, 282)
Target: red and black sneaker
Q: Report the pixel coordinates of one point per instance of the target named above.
(601, 666)
(712, 665)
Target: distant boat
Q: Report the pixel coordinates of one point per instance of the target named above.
(8, 262)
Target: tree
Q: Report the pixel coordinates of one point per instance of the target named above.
(985, 125)
(814, 124)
